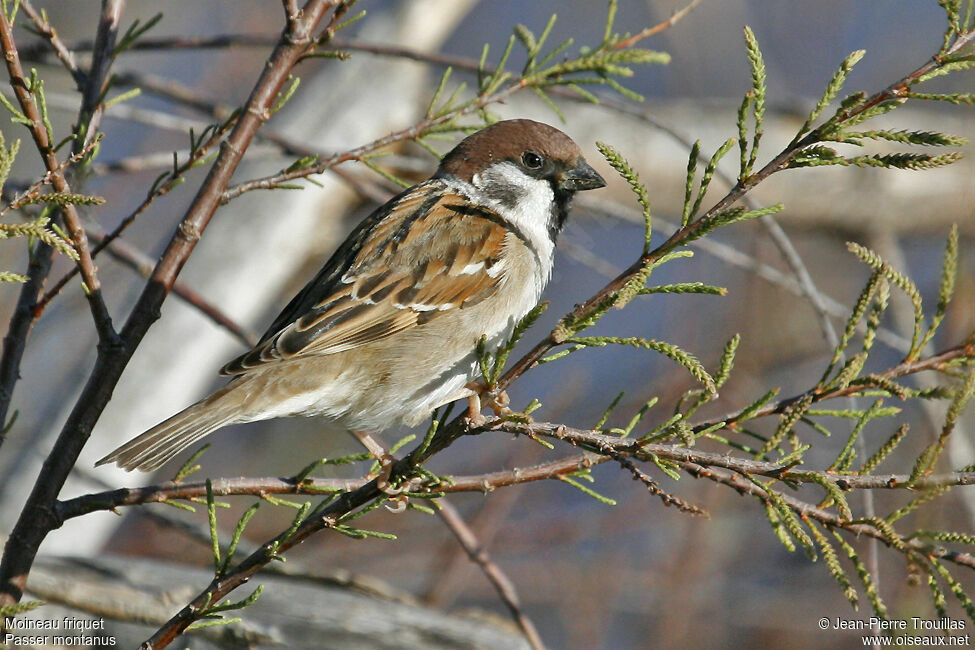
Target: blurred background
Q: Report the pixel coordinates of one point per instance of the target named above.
(632, 575)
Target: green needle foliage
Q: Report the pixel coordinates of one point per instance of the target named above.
(604, 64)
(39, 227)
(850, 369)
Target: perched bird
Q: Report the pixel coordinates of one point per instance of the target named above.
(387, 331)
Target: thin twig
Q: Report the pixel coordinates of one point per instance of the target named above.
(480, 556)
(103, 55)
(45, 29)
(45, 147)
(744, 486)
(659, 27)
(26, 313)
(139, 261)
(490, 481)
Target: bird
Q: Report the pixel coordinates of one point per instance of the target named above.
(388, 329)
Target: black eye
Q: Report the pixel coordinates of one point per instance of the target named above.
(532, 160)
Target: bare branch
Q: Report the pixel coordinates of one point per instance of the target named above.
(480, 556)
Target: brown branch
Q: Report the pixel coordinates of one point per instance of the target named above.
(490, 481)
(139, 261)
(178, 93)
(410, 133)
(103, 56)
(174, 91)
(39, 516)
(677, 453)
(45, 147)
(659, 27)
(170, 491)
(743, 486)
(27, 311)
(39, 51)
(480, 556)
(32, 193)
(63, 52)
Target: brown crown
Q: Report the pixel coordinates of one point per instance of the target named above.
(507, 140)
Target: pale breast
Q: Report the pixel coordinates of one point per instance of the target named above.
(431, 364)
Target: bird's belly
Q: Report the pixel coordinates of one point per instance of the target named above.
(443, 360)
(403, 379)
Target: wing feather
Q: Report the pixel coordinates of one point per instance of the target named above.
(414, 259)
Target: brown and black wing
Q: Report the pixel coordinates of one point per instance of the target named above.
(418, 257)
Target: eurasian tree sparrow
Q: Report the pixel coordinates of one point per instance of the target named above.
(387, 330)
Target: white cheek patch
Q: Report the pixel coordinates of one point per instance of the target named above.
(532, 210)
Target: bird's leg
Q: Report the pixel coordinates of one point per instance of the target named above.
(386, 461)
(498, 402)
(474, 410)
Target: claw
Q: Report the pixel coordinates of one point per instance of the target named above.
(400, 504)
(498, 402)
(382, 481)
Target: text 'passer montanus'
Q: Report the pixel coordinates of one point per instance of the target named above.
(387, 330)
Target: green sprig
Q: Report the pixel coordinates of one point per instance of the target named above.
(903, 282)
(670, 350)
(626, 171)
(869, 586)
(835, 568)
(956, 589)
(832, 90)
(758, 94)
(885, 450)
(586, 490)
(706, 180)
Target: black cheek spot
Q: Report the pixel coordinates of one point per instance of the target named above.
(503, 194)
(560, 210)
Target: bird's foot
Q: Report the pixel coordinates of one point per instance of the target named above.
(386, 463)
(497, 401)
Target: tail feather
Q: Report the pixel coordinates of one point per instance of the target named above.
(160, 443)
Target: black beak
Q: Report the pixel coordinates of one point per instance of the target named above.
(580, 177)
